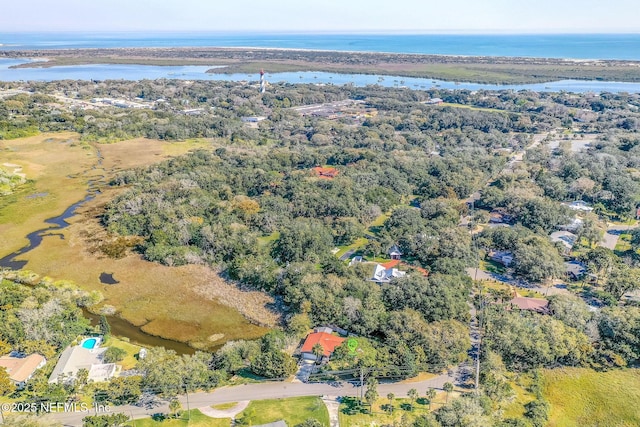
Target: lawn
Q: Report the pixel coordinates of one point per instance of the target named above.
(355, 245)
(624, 243)
(198, 419)
(130, 361)
(379, 221)
(382, 416)
(583, 397)
(471, 107)
(293, 411)
(492, 267)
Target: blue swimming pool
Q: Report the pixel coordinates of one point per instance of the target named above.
(89, 343)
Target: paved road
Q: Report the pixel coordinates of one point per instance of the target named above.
(556, 289)
(273, 390)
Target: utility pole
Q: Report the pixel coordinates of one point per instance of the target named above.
(361, 383)
(186, 392)
(478, 351)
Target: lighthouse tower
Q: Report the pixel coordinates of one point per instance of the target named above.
(263, 82)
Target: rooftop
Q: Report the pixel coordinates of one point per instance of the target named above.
(75, 358)
(539, 305)
(20, 369)
(327, 341)
(327, 173)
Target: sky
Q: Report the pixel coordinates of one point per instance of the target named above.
(416, 16)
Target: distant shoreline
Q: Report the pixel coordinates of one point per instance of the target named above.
(475, 69)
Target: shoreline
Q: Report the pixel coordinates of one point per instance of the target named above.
(460, 68)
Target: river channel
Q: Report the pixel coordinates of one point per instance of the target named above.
(199, 72)
(119, 327)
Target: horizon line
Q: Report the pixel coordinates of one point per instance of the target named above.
(335, 32)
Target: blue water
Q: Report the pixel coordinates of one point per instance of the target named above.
(575, 46)
(89, 343)
(139, 72)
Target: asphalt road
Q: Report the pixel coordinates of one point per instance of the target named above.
(261, 391)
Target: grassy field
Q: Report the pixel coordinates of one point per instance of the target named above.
(359, 243)
(382, 416)
(471, 107)
(582, 397)
(293, 411)
(197, 419)
(55, 166)
(190, 304)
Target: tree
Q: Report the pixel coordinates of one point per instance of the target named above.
(105, 328)
(111, 420)
(592, 230)
(4, 347)
(303, 240)
(371, 395)
(537, 260)
(620, 331)
(600, 261)
(413, 395)
(310, 422)
(175, 407)
(448, 388)
(82, 376)
(317, 351)
(114, 354)
(273, 364)
(538, 412)
(623, 279)
(466, 411)
(431, 394)
(6, 385)
(635, 238)
(391, 396)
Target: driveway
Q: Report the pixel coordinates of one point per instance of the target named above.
(613, 233)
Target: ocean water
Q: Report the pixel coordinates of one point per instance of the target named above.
(574, 46)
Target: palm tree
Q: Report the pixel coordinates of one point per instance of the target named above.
(413, 395)
(391, 396)
(317, 351)
(431, 394)
(175, 407)
(448, 387)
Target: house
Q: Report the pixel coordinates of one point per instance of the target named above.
(252, 119)
(500, 216)
(575, 270)
(21, 369)
(355, 260)
(538, 305)
(502, 257)
(328, 342)
(83, 356)
(326, 173)
(434, 101)
(573, 226)
(394, 252)
(565, 238)
(580, 205)
(384, 273)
